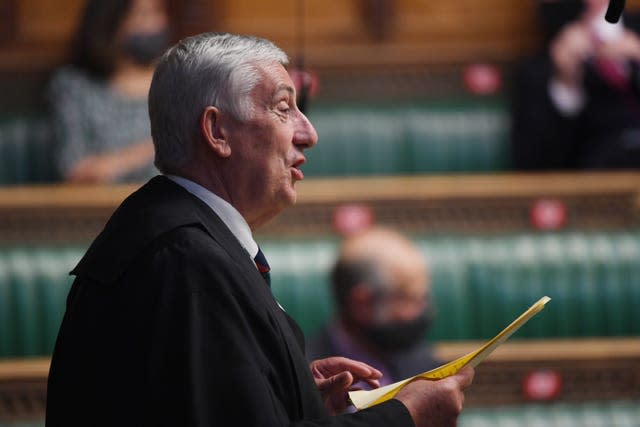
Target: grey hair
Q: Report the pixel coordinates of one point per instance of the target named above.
(210, 69)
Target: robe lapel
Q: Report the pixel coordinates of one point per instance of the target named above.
(261, 295)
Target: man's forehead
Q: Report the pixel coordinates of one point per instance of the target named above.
(275, 79)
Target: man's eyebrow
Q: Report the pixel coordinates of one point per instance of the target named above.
(284, 87)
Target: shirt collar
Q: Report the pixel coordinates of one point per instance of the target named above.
(227, 213)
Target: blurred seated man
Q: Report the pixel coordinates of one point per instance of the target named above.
(381, 288)
(578, 106)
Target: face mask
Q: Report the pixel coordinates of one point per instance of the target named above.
(144, 48)
(398, 335)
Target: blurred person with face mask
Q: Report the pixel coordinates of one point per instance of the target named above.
(98, 101)
(381, 288)
(578, 106)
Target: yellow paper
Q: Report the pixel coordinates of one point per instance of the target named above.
(362, 399)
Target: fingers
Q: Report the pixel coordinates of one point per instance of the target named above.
(325, 368)
(334, 392)
(373, 383)
(336, 383)
(359, 369)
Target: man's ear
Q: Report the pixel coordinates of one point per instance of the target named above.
(213, 132)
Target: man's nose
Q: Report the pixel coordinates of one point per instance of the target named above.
(305, 134)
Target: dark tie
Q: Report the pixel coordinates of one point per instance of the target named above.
(263, 266)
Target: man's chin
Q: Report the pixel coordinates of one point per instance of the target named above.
(292, 197)
(286, 199)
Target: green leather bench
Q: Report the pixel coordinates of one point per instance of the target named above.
(354, 140)
(479, 285)
(34, 283)
(595, 283)
(621, 413)
(408, 140)
(25, 150)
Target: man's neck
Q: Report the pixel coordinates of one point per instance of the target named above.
(223, 188)
(232, 218)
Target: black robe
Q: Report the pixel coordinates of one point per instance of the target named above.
(169, 323)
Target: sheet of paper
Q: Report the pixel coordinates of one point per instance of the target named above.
(362, 399)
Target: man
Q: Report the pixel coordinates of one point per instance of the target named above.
(578, 106)
(169, 321)
(381, 289)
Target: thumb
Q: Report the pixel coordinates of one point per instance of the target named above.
(336, 383)
(464, 377)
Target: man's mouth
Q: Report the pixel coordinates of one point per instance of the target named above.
(296, 171)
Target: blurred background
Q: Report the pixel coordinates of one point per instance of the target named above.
(448, 121)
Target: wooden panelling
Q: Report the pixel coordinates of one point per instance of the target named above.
(480, 203)
(42, 32)
(193, 16)
(53, 20)
(603, 369)
(44, 28)
(336, 34)
(7, 21)
(598, 369)
(338, 37)
(420, 31)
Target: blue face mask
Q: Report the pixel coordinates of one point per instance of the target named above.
(144, 48)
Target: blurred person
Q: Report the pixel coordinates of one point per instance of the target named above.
(381, 289)
(170, 320)
(98, 102)
(578, 106)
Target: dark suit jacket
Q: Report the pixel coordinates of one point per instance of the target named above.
(169, 323)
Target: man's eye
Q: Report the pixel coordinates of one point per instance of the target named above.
(284, 108)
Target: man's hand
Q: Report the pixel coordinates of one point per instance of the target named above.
(335, 376)
(436, 403)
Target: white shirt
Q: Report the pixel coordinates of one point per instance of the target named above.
(227, 213)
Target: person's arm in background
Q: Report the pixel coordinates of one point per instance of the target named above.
(108, 167)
